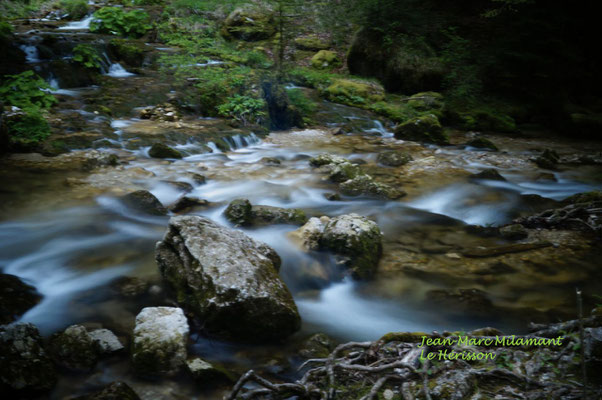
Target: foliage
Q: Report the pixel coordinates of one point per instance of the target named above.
(462, 80)
(6, 30)
(244, 109)
(76, 9)
(257, 59)
(301, 102)
(19, 9)
(87, 55)
(26, 91)
(115, 21)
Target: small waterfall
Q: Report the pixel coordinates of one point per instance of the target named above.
(213, 147)
(379, 129)
(239, 141)
(31, 53)
(84, 24)
(117, 71)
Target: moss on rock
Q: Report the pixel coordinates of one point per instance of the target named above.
(311, 43)
(354, 92)
(326, 59)
(425, 128)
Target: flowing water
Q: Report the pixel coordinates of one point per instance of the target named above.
(74, 251)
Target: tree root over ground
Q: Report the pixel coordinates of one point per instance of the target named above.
(395, 367)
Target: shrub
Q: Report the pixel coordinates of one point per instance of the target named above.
(27, 130)
(87, 55)
(115, 21)
(301, 102)
(26, 91)
(245, 109)
(76, 9)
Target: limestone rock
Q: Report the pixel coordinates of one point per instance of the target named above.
(308, 236)
(106, 340)
(226, 279)
(160, 338)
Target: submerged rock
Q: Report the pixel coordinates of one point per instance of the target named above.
(241, 212)
(548, 159)
(160, 150)
(514, 232)
(16, 297)
(114, 391)
(326, 159)
(228, 280)
(186, 203)
(144, 201)
(425, 128)
(24, 365)
(394, 158)
(482, 143)
(75, 349)
(490, 174)
(160, 338)
(356, 240)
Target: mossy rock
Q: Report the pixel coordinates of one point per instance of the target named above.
(354, 92)
(487, 120)
(74, 349)
(129, 52)
(425, 128)
(394, 158)
(160, 150)
(311, 43)
(239, 212)
(250, 24)
(427, 101)
(144, 201)
(343, 172)
(586, 197)
(326, 59)
(365, 185)
(482, 143)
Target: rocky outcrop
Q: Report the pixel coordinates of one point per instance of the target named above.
(425, 128)
(75, 349)
(226, 279)
(356, 241)
(160, 150)
(16, 298)
(24, 365)
(160, 338)
(144, 201)
(241, 212)
(249, 23)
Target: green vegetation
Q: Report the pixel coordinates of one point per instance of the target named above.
(87, 55)
(245, 109)
(116, 21)
(27, 91)
(76, 9)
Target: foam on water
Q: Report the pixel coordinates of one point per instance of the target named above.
(117, 71)
(84, 24)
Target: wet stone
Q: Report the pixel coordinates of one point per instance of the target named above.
(16, 297)
(144, 201)
(75, 349)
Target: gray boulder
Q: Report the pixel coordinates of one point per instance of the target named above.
(106, 341)
(160, 338)
(144, 201)
(24, 365)
(227, 279)
(74, 349)
(241, 212)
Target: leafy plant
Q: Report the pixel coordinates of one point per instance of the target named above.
(28, 130)
(76, 9)
(245, 109)
(26, 91)
(115, 21)
(87, 55)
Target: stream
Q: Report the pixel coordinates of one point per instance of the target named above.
(76, 243)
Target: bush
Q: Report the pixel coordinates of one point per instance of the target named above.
(245, 109)
(115, 21)
(26, 91)
(76, 9)
(87, 55)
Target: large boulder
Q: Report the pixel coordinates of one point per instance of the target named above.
(356, 240)
(160, 150)
(228, 280)
(409, 65)
(160, 337)
(16, 298)
(425, 128)
(249, 23)
(144, 201)
(75, 349)
(24, 365)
